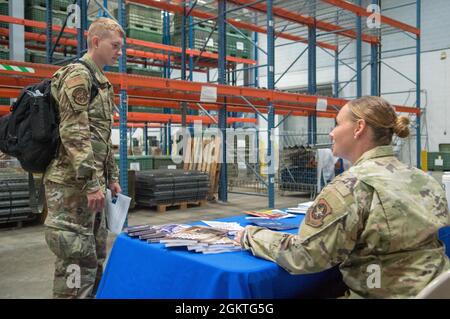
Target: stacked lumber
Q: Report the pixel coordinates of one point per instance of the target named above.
(203, 154)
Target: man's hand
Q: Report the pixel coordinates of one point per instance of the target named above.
(96, 201)
(115, 188)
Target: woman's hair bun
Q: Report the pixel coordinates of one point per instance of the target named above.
(401, 126)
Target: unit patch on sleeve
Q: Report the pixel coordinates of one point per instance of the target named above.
(80, 95)
(317, 213)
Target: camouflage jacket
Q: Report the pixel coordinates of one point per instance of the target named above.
(85, 157)
(379, 221)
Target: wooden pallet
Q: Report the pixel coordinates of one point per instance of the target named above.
(161, 208)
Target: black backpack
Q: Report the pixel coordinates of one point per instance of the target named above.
(31, 131)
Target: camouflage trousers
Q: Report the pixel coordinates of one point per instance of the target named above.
(77, 236)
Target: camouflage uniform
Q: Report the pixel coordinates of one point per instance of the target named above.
(85, 164)
(379, 215)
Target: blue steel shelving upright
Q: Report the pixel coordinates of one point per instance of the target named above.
(123, 163)
(81, 40)
(418, 82)
(271, 112)
(49, 32)
(358, 53)
(223, 180)
(166, 130)
(312, 78)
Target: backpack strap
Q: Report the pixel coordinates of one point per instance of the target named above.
(95, 83)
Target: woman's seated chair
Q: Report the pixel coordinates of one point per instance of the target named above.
(438, 288)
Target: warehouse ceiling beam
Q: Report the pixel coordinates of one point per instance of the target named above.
(307, 20)
(360, 11)
(239, 24)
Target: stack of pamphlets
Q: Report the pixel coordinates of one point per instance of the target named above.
(302, 208)
(274, 224)
(231, 227)
(207, 240)
(267, 214)
(153, 234)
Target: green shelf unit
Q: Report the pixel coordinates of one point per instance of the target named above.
(200, 35)
(144, 33)
(433, 159)
(139, 16)
(5, 101)
(4, 11)
(238, 46)
(34, 56)
(444, 147)
(59, 5)
(145, 162)
(4, 54)
(149, 162)
(145, 109)
(163, 161)
(209, 24)
(37, 13)
(143, 71)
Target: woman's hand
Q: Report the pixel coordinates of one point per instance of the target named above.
(238, 237)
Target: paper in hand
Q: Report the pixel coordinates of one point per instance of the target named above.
(116, 211)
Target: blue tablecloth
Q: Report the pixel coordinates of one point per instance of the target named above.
(137, 269)
(444, 236)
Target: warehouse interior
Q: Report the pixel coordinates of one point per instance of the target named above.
(239, 96)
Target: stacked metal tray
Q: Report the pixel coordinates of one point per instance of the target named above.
(167, 186)
(14, 197)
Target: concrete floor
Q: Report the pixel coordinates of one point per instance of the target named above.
(27, 265)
